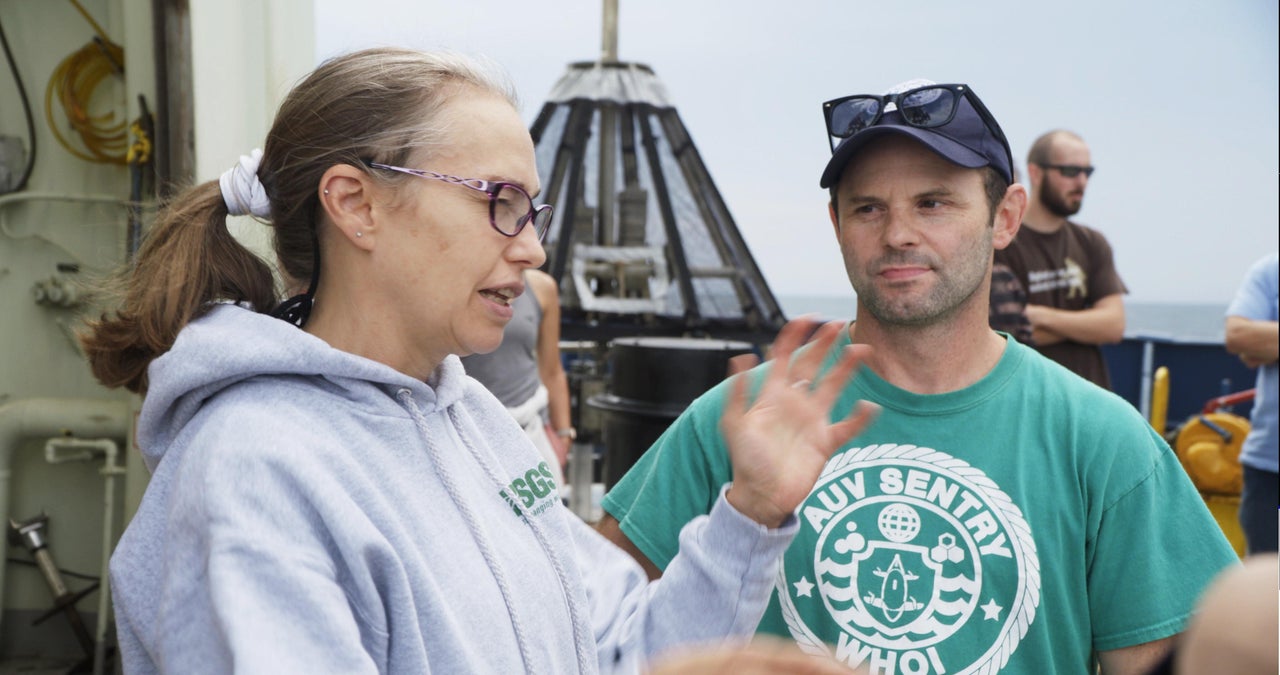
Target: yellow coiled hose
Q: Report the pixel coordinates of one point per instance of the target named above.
(104, 137)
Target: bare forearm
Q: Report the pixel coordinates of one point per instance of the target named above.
(1135, 660)
(1043, 337)
(612, 530)
(1100, 324)
(1254, 341)
(557, 385)
(550, 368)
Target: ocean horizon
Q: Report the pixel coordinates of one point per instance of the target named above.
(1187, 322)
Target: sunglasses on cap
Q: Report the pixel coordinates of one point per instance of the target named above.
(1069, 170)
(925, 107)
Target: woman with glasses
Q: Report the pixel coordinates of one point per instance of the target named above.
(330, 492)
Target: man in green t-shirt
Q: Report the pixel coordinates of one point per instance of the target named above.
(1000, 514)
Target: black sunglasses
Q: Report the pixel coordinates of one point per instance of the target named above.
(1069, 170)
(926, 107)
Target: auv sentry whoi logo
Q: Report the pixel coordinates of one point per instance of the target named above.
(901, 550)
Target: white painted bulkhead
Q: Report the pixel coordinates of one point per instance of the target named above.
(68, 228)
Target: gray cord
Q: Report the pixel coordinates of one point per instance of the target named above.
(486, 549)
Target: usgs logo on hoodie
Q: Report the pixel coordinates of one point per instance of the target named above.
(535, 491)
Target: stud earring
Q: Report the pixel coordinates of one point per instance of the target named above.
(359, 234)
(326, 192)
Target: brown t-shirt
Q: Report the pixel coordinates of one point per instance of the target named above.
(1008, 310)
(1070, 269)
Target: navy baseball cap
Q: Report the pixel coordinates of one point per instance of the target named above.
(947, 118)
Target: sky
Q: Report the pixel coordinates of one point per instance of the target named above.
(1177, 99)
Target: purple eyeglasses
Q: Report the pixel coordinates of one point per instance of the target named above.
(510, 207)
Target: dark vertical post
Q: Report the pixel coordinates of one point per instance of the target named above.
(676, 244)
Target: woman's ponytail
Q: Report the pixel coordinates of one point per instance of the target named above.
(187, 261)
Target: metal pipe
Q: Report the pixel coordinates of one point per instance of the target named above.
(62, 197)
(1148, 367)
(580, 478)
(606, 187)
(49, 417)
(609, 34)
(109, 471)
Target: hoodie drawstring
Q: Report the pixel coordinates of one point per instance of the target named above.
(482, 540)
(584, 646)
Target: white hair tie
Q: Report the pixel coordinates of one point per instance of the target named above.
(241, 189)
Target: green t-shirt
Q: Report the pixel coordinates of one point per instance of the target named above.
(1020, 523)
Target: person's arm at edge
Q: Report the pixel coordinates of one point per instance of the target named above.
(679, 491)
(1101, 324)
(1135, 660)
(611, 529)
(550, 368)
(1255, 342)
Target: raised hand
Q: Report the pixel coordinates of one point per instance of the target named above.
(779, 444)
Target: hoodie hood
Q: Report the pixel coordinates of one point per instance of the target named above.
(230, 344)
(309, 497)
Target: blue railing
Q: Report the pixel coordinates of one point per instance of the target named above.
(1198, 371)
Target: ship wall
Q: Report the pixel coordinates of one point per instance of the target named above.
(226, 65)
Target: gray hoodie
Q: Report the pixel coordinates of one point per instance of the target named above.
(312, 511)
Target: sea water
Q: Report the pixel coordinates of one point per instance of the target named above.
(1198, 322)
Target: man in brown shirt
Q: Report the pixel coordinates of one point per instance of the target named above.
(1074, 294)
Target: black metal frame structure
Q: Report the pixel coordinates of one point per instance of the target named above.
(642, 242)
